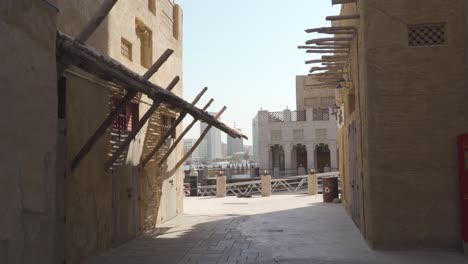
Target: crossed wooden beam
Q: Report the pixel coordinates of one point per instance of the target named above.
(74, 51)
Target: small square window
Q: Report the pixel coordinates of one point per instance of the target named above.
(126, 49)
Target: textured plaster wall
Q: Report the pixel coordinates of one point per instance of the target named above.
(305, 89)
(417, 107)
(105, 209)
(411, 106)
(29, 111)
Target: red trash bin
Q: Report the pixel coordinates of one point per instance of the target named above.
(329, 189)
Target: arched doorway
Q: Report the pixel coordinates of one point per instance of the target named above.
(299, 157)
(323, 157)
(277, 157)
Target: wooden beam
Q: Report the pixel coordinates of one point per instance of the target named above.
(139, 126)
(200, 139)
(340, 51)
(323, 60)
(131, 93)
(340, 2)
(340, 32)
(169, 132)
(320, 47)
(159, 62)
(106, 68)
(95, 21)
(181, 136)
(323, 68)
(342, 44)
(342, 17)
(312, 30)
(320, 40)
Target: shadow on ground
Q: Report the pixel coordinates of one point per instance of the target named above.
(314, 233)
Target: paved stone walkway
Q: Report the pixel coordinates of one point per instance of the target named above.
(292, 228)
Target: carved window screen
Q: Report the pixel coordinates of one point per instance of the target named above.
(427, 35)
(126, 48)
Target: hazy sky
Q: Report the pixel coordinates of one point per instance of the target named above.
(245, 52)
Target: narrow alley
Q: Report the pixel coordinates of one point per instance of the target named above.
(288, 228)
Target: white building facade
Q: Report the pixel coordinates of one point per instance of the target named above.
(293, 142)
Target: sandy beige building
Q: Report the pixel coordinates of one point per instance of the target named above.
(403, 104)
(90, 156)
(106, 207)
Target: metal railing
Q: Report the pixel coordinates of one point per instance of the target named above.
(298, 116)
(276, 116)
(289, 184)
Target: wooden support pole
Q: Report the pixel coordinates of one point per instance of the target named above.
(341, 51)
(95, 21)
(340, 2)
(337, 32)
(333, 40)
(312, 30)
(102, 129)
(323, 60)
(139, 126)
(159, 62)
(108, 69)
(200, 139)
(181, 136)
(323, 47)
(131, 93)
(169, 132)
(342, 17)
(343, 44)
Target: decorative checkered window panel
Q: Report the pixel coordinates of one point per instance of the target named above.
(427, 35)
(126, 48)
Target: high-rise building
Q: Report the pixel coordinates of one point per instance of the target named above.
(210, 148)
(234, 145)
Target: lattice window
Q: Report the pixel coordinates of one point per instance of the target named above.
(427, 35)
(322, 114)
(166, 123)
(127, 118)
(276, 116)
(276, 135)
(298, 134)
(126, 48)
(298, 116)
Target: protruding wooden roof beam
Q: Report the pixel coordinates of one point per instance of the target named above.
(338, 32)
(106, 68)
(321, 40)
(176, 142)
(343, 17)
(324, 60)
(131, 93)
(339, 51)
(340, 2)
(321, 47)
(338, 44)
(172, 129)
(124, 145)
(200, 139)
(312, 30)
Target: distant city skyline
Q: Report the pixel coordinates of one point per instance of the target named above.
(247, 57)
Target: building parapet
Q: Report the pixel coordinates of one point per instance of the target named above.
(311, 114)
